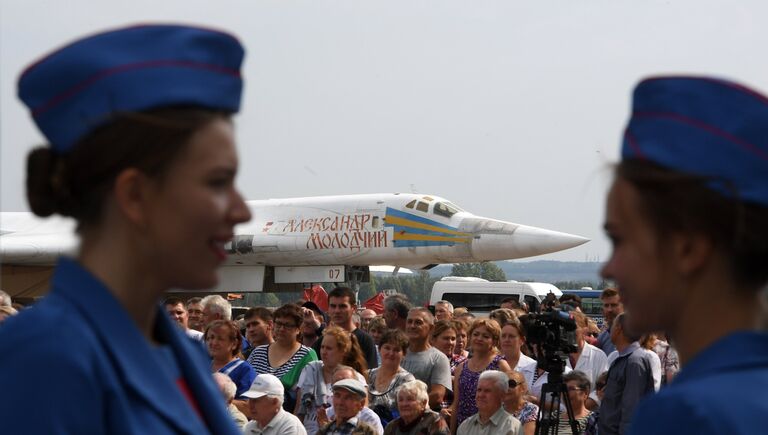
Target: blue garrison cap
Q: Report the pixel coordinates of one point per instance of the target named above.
(78, 87)
(703, 126)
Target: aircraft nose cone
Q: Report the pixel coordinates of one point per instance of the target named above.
(522, 241)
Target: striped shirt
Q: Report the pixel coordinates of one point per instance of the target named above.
(259, 359)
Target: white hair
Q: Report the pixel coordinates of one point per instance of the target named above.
(226, 386)
(447, 304)
(219, 305)
(5, 299)
(501, 379)
(416, 388)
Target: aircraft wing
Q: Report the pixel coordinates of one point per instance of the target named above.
(31, 241)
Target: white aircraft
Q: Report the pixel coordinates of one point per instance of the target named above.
(291, 242)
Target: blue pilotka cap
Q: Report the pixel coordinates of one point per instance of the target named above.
(78, 88)
(703, 126)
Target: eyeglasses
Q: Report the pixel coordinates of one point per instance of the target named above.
(513, 383)
(600, 386)
(575, 389)
(285, 325)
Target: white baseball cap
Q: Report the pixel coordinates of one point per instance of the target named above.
(263, 385)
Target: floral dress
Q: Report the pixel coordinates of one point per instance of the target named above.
(468, 384)
(529, 412)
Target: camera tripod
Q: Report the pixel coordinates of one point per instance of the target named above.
(549, 407)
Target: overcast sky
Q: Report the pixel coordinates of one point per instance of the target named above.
(510, 109)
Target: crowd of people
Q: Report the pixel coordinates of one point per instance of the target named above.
(423, 378)
(141, 154)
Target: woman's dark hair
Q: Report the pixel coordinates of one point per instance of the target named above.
(289, 311)
(396, 338)
(76, 184)
(682, 203)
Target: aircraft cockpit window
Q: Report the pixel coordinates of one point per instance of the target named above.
(454, 206)
(422, 206)
(444, 209)
(410, 204)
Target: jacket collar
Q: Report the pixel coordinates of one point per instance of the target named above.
(133, 356)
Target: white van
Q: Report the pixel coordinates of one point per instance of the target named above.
(481, 296)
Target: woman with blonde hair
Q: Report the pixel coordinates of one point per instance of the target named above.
(516, 404)
(484, 337)
(314, 389)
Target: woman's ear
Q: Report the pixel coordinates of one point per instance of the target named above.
(690, 252)
(131, 195)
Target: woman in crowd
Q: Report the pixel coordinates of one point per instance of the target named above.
(443, 338)
(384, 380)
(512, 341)
(222, 337)
(314, 389)
(687, 216)
(668, 360)
(142, 156)
(415, 417)
(460, 353)
(578, 386)
(376, 328)
(285, 358)
(484, 339)
(516, 404)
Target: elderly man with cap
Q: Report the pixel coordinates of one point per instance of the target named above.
(265, 401)
(687, 215)
(348, 400)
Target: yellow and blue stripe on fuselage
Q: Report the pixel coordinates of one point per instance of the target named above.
(411, 230)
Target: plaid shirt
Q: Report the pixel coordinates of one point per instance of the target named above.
(353, 426)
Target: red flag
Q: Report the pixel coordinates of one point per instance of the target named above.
(317, 295)
(376, 303)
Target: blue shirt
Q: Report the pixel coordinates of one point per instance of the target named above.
(722, 390)
(76, 363)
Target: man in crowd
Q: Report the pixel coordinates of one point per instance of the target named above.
(630, 378)
(365, 318)
(366, 414)
(396, 311)
(341, 306)
(491, 418)
(349, 397)
(265, 401)
(426, 363)
(258, 328)
(612, 307)
(228, 390)
(443, 310)
(195, 313)
(178, 312)
(312, 324)
(587, 358)
(215, 308)
(511, 303)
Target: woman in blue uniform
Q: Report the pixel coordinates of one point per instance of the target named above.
(687, 216)
(141, 154)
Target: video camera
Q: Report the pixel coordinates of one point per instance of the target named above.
(552, 334)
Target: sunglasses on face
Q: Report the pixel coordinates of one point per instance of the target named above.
(513, 383)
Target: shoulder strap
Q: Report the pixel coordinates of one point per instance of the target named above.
(232, 366)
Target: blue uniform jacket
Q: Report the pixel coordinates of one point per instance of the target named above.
(722, 390)
(76, 363)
